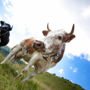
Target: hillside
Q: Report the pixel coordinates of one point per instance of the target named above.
(8, 75)
(46, 81)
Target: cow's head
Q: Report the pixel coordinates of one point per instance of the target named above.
(55, 39)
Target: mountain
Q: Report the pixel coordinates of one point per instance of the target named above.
(46, 81)
(5, 50)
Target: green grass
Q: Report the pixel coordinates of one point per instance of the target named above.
(8, 78)
(44, 81)
(57, 83)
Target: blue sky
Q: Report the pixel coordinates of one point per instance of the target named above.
(76, 70)
(29, 18)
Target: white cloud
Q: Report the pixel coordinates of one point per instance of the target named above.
(86, 12)
(75, 70)
(31, 17)
(61, 71)
(86, 56)
(5, 2)
(80, 45)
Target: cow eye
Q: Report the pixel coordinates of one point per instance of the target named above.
(59, 37)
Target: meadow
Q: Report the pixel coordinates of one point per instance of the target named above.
(46, 81)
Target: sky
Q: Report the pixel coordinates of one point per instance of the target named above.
(30, 17)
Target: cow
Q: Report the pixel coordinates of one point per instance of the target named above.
(54, 50)
(5, 29)
(28, 49)
(54, 47)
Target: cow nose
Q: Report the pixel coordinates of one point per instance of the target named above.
(35, 45)
(39, 46)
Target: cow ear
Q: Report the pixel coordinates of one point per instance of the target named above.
(45, 32)
(68, 38)
(70, 35)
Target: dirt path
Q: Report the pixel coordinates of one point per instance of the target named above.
(42, 84)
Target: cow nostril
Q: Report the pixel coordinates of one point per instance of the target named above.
(59, 37)
(38, 44)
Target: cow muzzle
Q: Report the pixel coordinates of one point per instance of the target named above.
(39, 46)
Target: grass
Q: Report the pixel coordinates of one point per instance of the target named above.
(46, 81)
(8, 75)
(57, 83)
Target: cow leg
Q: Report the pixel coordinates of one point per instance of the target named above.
(29, 76)
(12, 59)
(34, 73)
(31, 62)
(14, 51)
(23, 71)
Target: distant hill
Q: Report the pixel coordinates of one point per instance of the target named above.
(5, 50)
(46, 81)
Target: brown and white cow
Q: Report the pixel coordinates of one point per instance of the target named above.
(55, 46)
(29, 49)
(26, 50)
(54, 42)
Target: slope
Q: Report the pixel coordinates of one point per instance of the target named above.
(46, 81)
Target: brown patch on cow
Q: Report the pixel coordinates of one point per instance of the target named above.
(31, 45)
(27, 44)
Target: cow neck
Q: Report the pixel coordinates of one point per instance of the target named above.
(55, 55)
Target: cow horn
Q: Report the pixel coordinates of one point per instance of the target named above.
(48, 27)
(72, 29)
